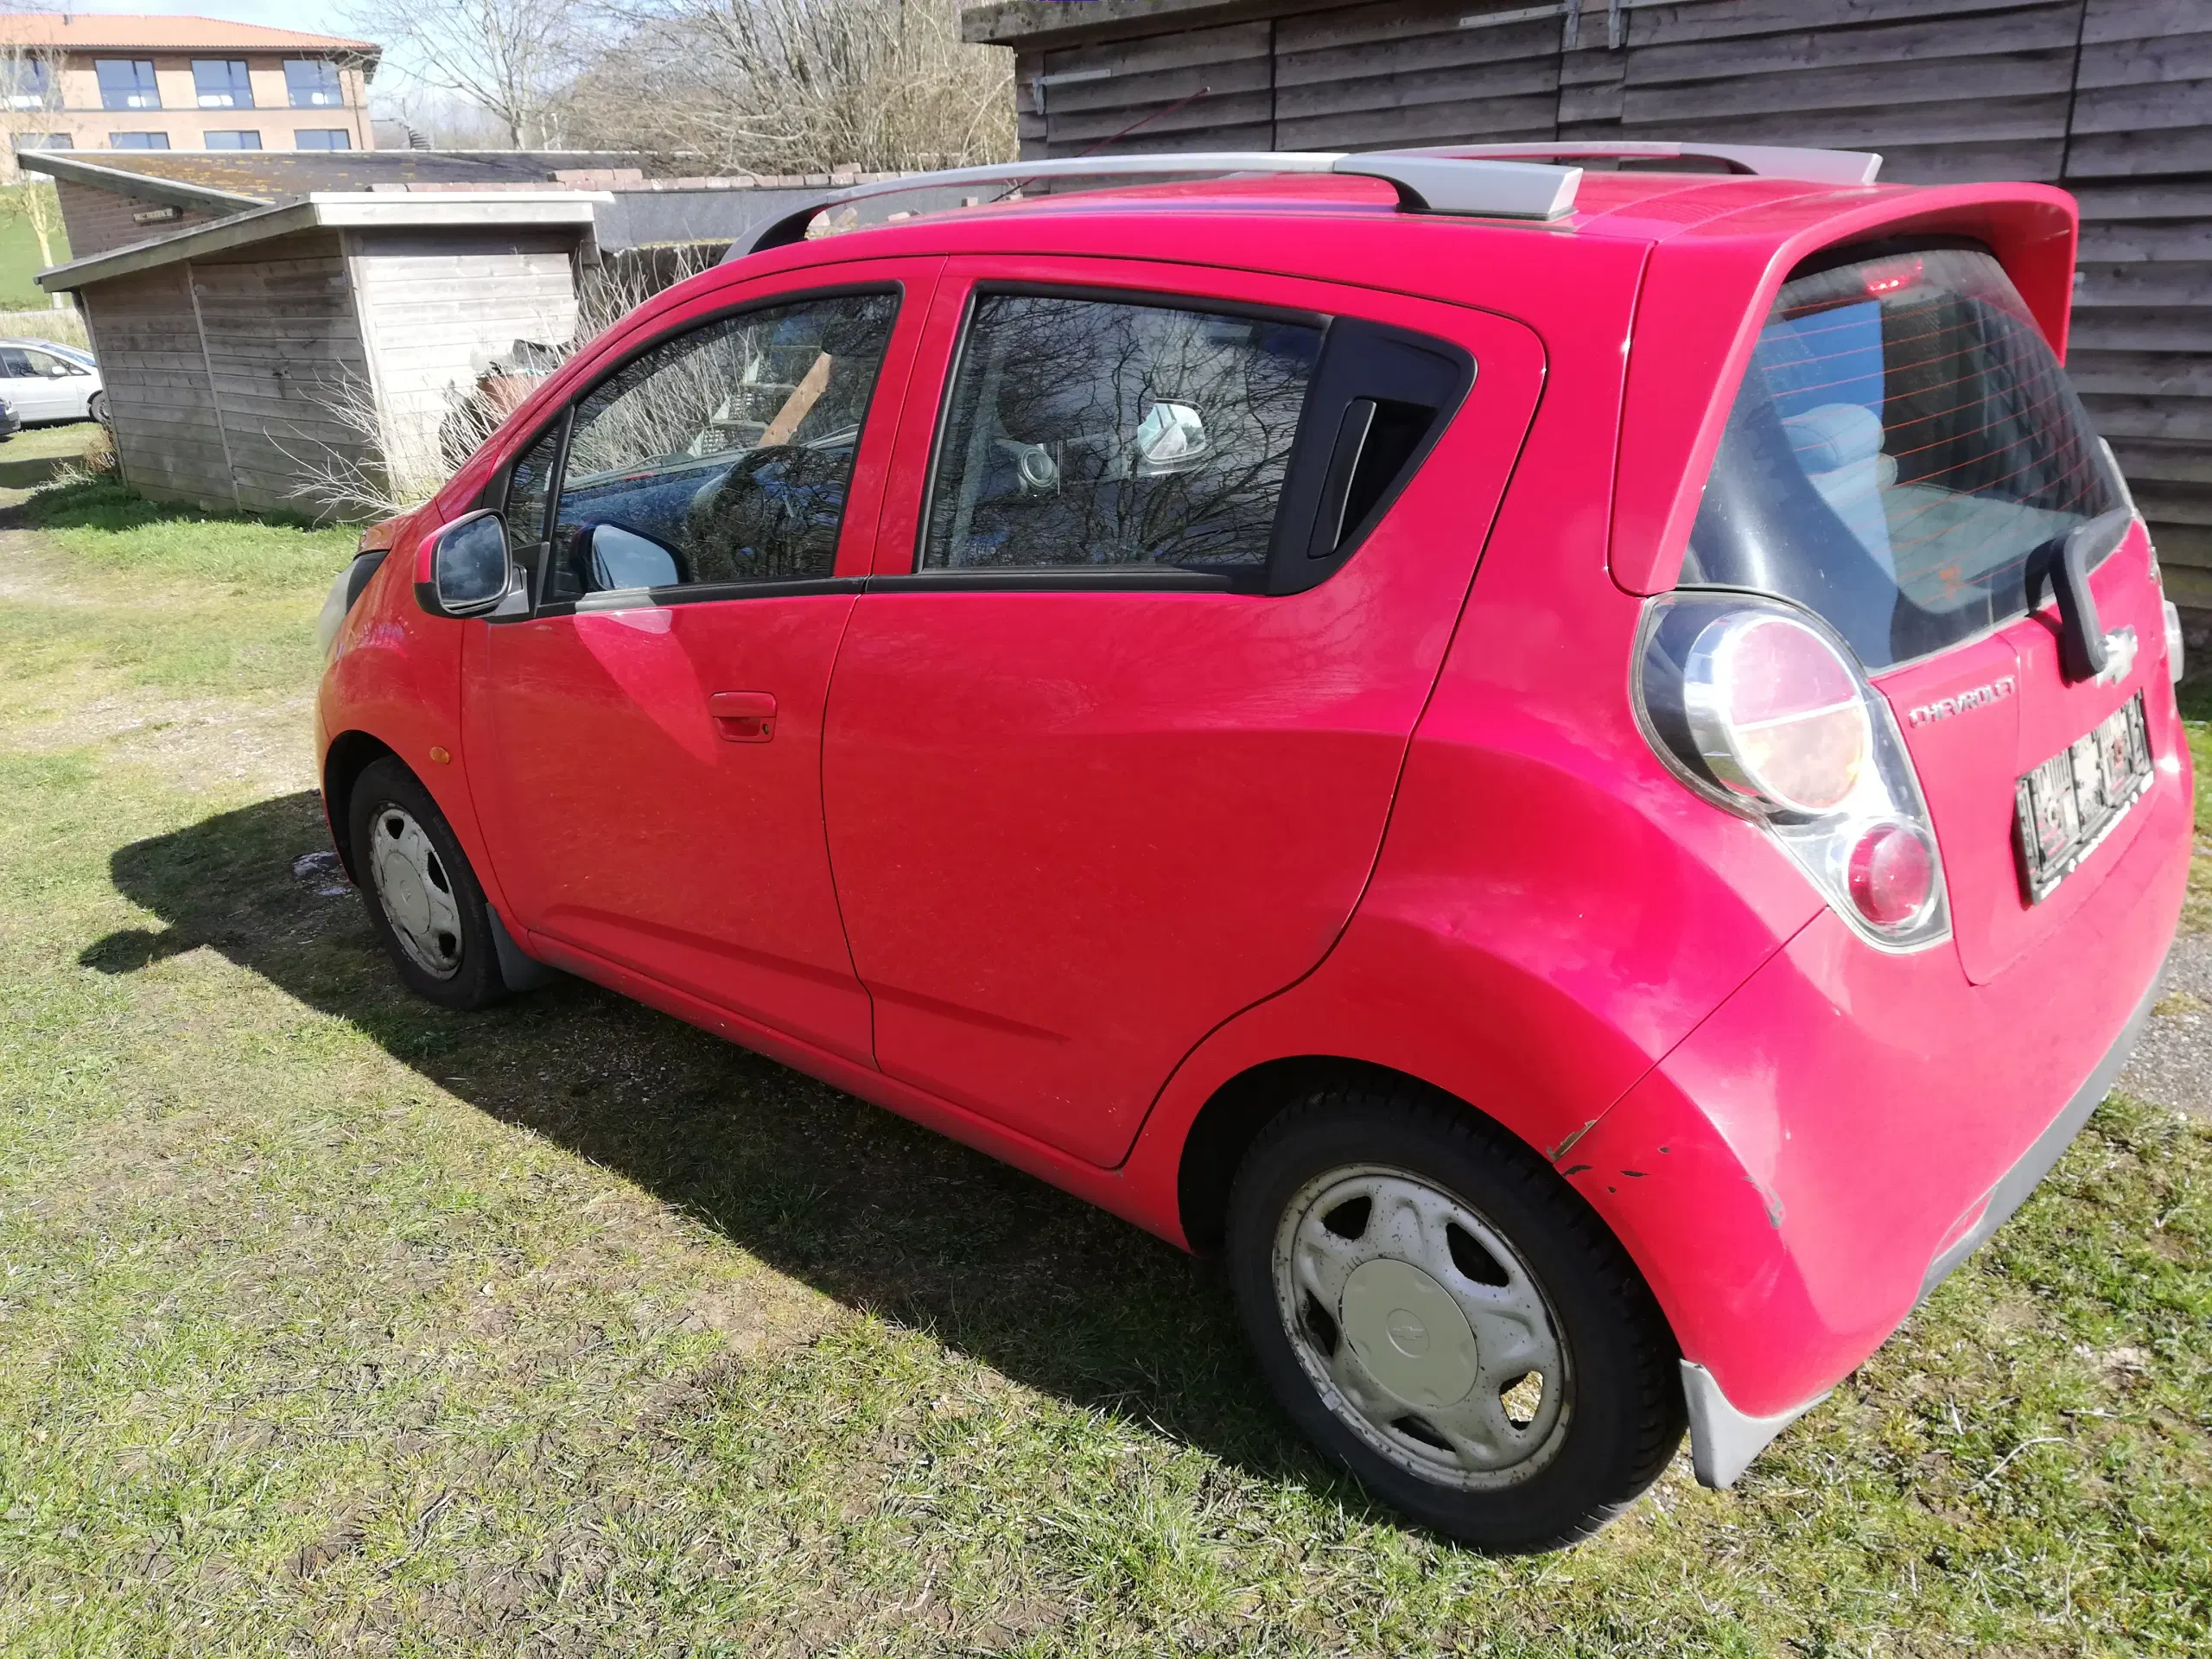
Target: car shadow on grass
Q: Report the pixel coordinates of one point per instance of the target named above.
(867, 1208)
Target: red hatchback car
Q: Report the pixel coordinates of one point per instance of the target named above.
(1576, 768)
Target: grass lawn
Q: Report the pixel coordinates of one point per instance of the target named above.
(329, 1321)
(19, 261)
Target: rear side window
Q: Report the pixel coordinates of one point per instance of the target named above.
(1903, 449)
(1088, 433)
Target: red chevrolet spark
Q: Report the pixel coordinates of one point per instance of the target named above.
(1576, 768)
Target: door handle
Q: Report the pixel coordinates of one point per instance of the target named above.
(743, 716)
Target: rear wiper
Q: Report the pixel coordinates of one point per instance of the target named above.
(2064, 562)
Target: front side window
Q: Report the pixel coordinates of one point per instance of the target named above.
(247, 140)
(1903, 451)
(127, 84)
(728, 448)
(312, 84)
(322, 138)
(137, 141)
(1089, 433)
(529, 487)
(222, 84)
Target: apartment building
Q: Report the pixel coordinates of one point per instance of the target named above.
(77, 81)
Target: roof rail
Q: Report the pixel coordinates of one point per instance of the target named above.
(1427, 182)
(1769, 160)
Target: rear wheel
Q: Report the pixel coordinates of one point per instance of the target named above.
(1445, 1318)
(96, 407)
(424, 900)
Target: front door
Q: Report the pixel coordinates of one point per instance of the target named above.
(1115, 729)
(650, 737)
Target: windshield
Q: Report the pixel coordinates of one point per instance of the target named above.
(1903, 445)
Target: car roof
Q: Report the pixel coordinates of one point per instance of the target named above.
(1642, 205)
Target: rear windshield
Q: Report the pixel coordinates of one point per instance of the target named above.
(1903, 444)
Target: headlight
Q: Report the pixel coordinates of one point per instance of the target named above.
(335, 604)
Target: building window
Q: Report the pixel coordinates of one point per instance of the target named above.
(45, 141)
(314, 84)
(234, 141)
(128, 84)
(222, 84)
(137, 141)
(322, 138)
(28, 82)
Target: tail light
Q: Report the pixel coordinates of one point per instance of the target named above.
(1760, 708)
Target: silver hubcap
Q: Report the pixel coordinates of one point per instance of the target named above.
(416, 896)
(1421, 1328)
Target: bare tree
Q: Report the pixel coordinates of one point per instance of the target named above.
(380, 464)
(799, 85)
(506, 56)
(31, 91)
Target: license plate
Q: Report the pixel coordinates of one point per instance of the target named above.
(2071, 802)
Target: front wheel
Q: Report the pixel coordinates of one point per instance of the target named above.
(1444, 1316)
(424, 900)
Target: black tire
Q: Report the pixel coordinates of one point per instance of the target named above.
(96, 407)
(1622, 1418)
(387, 791)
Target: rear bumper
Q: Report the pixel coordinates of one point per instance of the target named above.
(1724, 1440)
(1803, 1168)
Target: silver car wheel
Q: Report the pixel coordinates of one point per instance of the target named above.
(1421, 1328)
(414, 892)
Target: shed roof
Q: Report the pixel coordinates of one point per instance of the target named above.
(226, 181)
(350, 210)
(90, 31)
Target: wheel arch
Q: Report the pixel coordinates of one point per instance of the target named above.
(350, 754)
(1238, 1112)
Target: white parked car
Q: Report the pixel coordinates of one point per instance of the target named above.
(48, 382)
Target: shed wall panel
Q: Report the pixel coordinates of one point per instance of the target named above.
(166, 439)
(434, 309)
(286, 362)
(97, 221)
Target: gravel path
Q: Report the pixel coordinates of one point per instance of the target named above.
(2173, 1063)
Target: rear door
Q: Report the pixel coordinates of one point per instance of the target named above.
(1163, 582)
(1907, 458)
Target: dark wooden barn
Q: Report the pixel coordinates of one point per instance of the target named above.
(2113, 98)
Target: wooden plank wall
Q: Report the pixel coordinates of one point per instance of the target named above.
(221, 373)
(167, 436)
(284, 357)
(100, 219)
(433, 307)
(2140, 160)
(2111, 98)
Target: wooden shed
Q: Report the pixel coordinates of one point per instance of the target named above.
(268, 322)
(232, 352)
(2113, 98)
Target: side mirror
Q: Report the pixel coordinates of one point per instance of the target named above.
(622, 558)
(470, 570)
(1171, 438)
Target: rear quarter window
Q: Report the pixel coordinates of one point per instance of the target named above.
(1903, 450)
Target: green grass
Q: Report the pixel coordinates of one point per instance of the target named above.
(19, 256)
(332, 1322)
